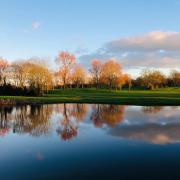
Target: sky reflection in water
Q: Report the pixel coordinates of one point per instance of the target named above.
(86, 141)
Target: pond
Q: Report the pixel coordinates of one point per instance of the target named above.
(83, 141)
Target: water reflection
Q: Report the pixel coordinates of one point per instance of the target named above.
(153, 133)
(110, 115)
(67, 128)
(5, 116)
(152, 109)
(32, 119)
(157, 125)
(72, 115)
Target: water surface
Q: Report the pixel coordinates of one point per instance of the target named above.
(82, 141)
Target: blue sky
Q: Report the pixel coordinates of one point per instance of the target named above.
(43, 27)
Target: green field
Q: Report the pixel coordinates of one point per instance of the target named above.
(166, 96)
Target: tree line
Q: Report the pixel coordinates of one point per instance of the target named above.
(33, 76)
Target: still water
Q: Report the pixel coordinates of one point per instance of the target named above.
(82, 141)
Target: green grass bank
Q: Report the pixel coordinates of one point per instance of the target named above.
(166, 96)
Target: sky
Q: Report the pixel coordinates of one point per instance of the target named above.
(139, 34)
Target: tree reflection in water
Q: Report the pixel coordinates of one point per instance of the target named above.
(33, 119)
(37, 120)
(153, 124)
(152, 109)
(72, 115)
(110, 115)
(5, 117)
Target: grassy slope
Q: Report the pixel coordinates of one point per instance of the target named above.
(168, 96)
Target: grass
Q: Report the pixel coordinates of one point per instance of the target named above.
(165, 96)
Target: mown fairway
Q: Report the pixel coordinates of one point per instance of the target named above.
(167, 96)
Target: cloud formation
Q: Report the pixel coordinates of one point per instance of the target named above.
(157, 49)
(36, 25)
(152, 41)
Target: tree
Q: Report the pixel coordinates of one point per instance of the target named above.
(3, 67)
(152, 79)
(124, 79)
(111, 72)
(39, 77)
(175, 77)
(128, 80)
(96, 71)
(20, 73)
(78, 76)
(66, 61)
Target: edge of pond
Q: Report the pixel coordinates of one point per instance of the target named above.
(18, 100)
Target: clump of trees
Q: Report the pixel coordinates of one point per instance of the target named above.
(39, 78)
(71, 74)
(152, 79)
(30, 77)
(109, 74)
(175, 78)
(34, 78)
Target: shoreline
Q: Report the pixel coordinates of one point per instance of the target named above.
(161, 97)
(135, 102)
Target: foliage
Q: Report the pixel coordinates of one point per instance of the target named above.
(65, 61)
(3, 70)
(16, 91)
(33, 76)
(153, 79)
(78, 76)
(96, 72)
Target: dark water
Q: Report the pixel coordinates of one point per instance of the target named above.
(80, 141)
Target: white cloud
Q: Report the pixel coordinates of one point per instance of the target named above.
(36, 25)
(152, 41)
(156, 49)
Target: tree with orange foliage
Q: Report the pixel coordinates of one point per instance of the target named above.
(96, 71)
(3, 66)
(121, 81)
(111, 71)
(65, 60)
(78, 76)
(128, 80)
(38, 77)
